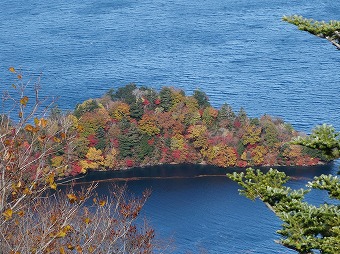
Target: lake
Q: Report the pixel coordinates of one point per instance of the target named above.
(197, 208)
(239, 52)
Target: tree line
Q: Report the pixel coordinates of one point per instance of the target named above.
(139, 126)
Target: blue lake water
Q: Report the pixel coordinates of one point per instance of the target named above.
(239, 52)
(196, 209)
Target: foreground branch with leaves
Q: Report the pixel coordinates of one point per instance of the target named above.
(33, 219)
(329, 31)
(78, 222)
(306, 228)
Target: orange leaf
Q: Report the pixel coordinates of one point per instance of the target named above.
(43, 122)
(80, 128)
(29, 128)
(24, 100)
(79, 249)
(63, 135)
(21, 213)
(72, 198)
(20, 114)
(11, 69)
(42, 138)
(70, 246)
(19, 76)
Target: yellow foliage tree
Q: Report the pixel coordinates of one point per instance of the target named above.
(177, 142)
(252, 135)
(94, 159)
(110, 159)
(221, 155)
(90, 122)
(177, 97)
(209, 115)
(119, 110)
(148, 125)
(198, 133)
(258, 154)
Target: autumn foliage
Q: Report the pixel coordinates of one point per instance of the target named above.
(36, 147)
(146, 127)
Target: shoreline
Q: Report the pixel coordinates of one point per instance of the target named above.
(171, 171)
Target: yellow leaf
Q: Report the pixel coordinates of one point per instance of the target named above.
(8, 214)
(61, 234)
(36, 122)
(72, 198)
(57, 140)
(24, 100)
(11, 69)
(50, 181)
(102, 202)
(83, 170)
(19, 184)
(14, 86)
(87, 220)
(91, 249)
(27, 191)
(68, 228)
(53, 186)
(61, 250)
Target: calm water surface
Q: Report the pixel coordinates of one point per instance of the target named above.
(238, 52)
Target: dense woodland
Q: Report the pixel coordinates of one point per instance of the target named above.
(138, 126)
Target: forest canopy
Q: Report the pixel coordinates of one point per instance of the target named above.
(139, 126)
